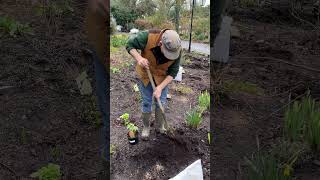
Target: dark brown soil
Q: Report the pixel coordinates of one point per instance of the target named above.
(161, 157)
(44, 118)
(243, 119)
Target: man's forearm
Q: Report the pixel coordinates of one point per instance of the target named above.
(165, 82)
(135, 54)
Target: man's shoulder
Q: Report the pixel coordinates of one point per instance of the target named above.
(154, 31)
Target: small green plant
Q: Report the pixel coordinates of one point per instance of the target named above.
(193, 119)
(131, 127)
(203, 101)
(239, 86)
(49, 172)
(115, 70)
(55, 152)
(313, 132)
(13, 28)
(265, 167)
(125, 118)
(184, 89)
(302, 122)
(118, 40)
(112, 149)
(209, 137)
(294, 122)
(54, 8)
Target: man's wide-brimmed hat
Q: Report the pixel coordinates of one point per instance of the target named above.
(171, 44)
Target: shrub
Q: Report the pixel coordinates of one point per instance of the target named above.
(49, 172)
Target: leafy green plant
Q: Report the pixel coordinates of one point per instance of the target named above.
(193, 119)
(265, 167)
(13, 28)
(115, 70)
(131, 127)
(49, 172)
(119, 40)
(112, 149)
(203, 101)
(125, 118)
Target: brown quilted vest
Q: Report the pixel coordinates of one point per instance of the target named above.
(159, 72)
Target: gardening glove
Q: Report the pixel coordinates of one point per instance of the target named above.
(146, 126)
(160, 124)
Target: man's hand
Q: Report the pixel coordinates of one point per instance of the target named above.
(157, 92)
(143, 62)
(99, 6)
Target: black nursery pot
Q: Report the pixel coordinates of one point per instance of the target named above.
(133, 140)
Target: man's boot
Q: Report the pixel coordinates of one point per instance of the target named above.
(146, 126)
(160, 124)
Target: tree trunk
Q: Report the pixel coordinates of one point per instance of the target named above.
(177, 15)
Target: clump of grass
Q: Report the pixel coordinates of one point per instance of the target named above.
(184, 89)
(302, 122)
(49, 172)
(13, 28)
(203, 101)
(239, 86)
(294, 122)
(265, 167)
(55, 152)
(193, 119)
(118, 40)
(54, 8)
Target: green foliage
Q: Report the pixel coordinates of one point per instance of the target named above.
(113, 149)
(209, 138)
(54, 8)
(193, 119)
(115, 70)
(125, 118)
(124, 15)
(239, 86)
(55, 152)
(132, 127)
(294, 122)
(183, 89)
(12, 27)
(265, 167)
(302, 122)
(248, 3)
(49, 172)
(204, 101)
(119, 40)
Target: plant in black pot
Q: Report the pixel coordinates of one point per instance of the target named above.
(133, 130)
(133, 133)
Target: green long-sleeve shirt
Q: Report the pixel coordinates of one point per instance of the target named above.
(140, 40)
